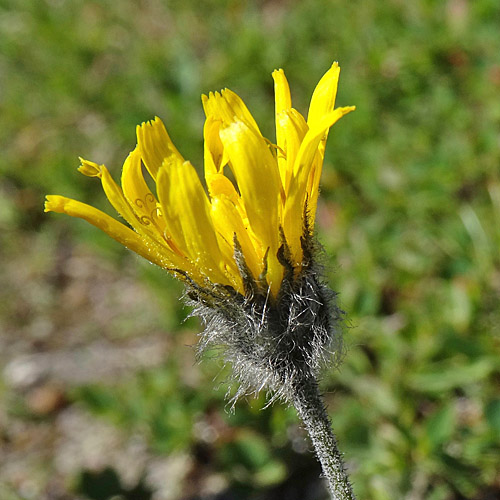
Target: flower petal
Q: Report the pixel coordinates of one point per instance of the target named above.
(294, 127)
(155, 145)
(323, 98)
(219, 184)
(144, 203)
(240, 109)
(214, 156)
(283, 102)
(138, 194)
(227, 106)
(282, 97)
(317, 167)
(112, 190)
(151, 235)
(118, 231)
(215, 160)
(294, 208)
(186, 209)
(228, 222)
(312, 139)
(257, 175)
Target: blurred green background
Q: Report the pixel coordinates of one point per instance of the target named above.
(101, 395)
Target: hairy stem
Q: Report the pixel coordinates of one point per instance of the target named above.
(308, 402)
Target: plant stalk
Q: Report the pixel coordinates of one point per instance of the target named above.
(309, 404)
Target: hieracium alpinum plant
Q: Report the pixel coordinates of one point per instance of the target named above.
(246, 252)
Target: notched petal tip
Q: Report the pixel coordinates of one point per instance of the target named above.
(279, 77)
(54, 203)
(148, 124)
(90, 168)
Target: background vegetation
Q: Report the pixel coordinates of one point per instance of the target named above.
(101, 397)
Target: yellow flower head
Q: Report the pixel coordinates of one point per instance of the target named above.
(249, 230)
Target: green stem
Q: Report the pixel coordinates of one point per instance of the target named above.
(308, 402)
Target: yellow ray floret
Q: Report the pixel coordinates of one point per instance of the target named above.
(118, 231)
(193, 234)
